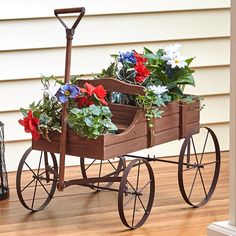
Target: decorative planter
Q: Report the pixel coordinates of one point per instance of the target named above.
(134, 134)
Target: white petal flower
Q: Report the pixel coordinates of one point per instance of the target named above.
(158, 90)
(177, 61)
(119, 66)
(52, 90)
(172, 49)
(171, 52)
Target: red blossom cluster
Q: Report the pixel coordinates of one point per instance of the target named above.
(31, 125)
(141, 69)
(91, 95)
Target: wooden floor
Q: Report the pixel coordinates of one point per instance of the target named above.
(81, 211)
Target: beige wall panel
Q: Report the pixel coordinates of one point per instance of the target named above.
(19, 94)
(210, 81)
(210, 114)
(112, 29)
(216, 109)
(87, 60)
(13, 9)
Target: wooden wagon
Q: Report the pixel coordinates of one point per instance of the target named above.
(135, 177)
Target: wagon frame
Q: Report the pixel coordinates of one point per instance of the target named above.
(180, 121)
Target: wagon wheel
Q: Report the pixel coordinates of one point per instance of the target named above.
(36, 179)
(198, 170)
(136, 193)
(94, 168)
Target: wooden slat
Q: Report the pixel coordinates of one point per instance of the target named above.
(34, 33)
(15, 10)
(31, 89)
(81, 211)
(91, 59)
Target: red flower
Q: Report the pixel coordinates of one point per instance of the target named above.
(139, 59)
(88, 89)
(83, 102)
(31, 124)
(142, 73)
(101, 93)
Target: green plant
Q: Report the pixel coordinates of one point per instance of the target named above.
(91, 121)
(154, 98)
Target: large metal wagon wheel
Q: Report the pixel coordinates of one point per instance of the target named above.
(36, 179)
(99, 168)
(199, 166)
(136, 193)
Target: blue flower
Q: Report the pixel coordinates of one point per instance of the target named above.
(127, 56)
(67, 91)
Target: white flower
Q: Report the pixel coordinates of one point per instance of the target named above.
(171, 51)
(52, 90)
(158, 90)
(119, 66)
(177, 61)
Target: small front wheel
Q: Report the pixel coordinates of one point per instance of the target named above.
(136, 193)
(36, 179)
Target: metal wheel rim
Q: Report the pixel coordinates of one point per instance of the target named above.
(121, 190)
(18, 182)
(216, 172)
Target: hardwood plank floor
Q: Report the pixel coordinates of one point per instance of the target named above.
(81, 211)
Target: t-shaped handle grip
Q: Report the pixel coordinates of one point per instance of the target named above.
(80, 10)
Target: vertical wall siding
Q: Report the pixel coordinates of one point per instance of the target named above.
(33, 43)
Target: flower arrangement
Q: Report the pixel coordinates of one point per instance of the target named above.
(88, 114)
(163, 73)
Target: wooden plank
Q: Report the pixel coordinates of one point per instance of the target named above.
(91, 59)
(14, 10)
(204, 24)
(88, 213)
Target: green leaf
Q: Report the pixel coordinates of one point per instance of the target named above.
(45, 119)
(24, 112)
(95, 110)
(189, 60)
(147, 51)
(186, 80)
(75, 111)
(89, 121)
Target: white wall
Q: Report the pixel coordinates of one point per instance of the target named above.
(32, 42)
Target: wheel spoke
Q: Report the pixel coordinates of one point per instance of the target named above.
(112, 165)
(203, 150)
(36, 184)
(209, 163)
(198, 169)
(141, 190)
(35, 188)
(44, 188)
(193, 183)
(135, 199)
(90, 165)
(27, 185)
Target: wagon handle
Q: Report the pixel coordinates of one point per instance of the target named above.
(69, 37)
(80, 10)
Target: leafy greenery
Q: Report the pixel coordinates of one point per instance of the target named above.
(91, 121)
(163, 74)
(152, 103)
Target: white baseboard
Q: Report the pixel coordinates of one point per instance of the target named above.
(222, 228)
